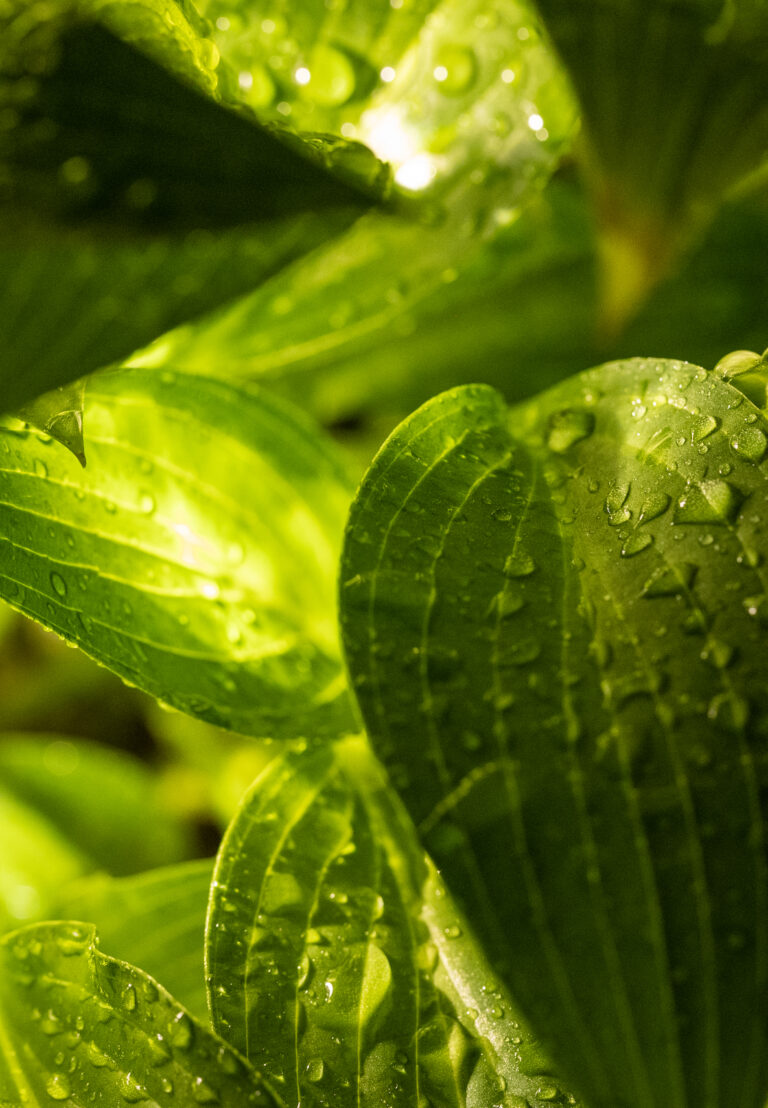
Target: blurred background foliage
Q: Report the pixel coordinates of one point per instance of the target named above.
(524, 239)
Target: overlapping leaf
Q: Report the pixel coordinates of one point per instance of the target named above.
(155, 920)
(337, 961)
(472, 113)
(196, 554)
(80, 1027)
(126, 162)
(674, 96)
(69, 807)
(555, 627)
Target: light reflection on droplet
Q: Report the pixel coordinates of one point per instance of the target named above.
(417, 173)
(535, 122)
(302, 76)
(507, 76)
(387, 74)
(440, 72)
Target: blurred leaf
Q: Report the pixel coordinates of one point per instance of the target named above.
(79, 1026)
(323, 954)
(196, 556)
(155, 920)
(674, 95)
(81, 786)
(122, 179)
(554, 626)
(60, 415)
(69, 807)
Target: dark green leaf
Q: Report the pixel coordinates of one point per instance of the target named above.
(470, 159)
(80, 1027)
(69, 807)
(122, 174)
(554, 622)
(338, 963)
(674, 96)
(155, 920)
(195, 556)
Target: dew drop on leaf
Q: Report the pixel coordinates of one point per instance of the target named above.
(315, 1069)
(739, 361)
(58, 584)
(715, 502)
(455, 69)
(180, 1031)
(750, 443)
(57, 1086)
(568, 427)
(670, 580)
(519, 565)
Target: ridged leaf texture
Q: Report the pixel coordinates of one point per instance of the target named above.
(79, 1027)
(554, 619)
(195, 555)
(339, 964)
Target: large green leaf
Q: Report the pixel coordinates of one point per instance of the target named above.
(125, 163)
(155, 920)
(674, 96)
(338, 963)
(70, 807)
(80, 1027)
(554, 622)
(196, 554)
(471, 147)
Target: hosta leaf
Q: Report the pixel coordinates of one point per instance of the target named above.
(125, 162)
(554, 623)
(195, 556)
(471, 147)
(155, 920)
(69, 807)
(675, 104)
(336, 960)
(81, 1027)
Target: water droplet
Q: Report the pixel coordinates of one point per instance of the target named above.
(57, 1086)
(203, 1093)
(716, 502)
(95, 1056)
(729, 710)
(315, 1069)
(40, 468)
(548, 1092)
(670, 580)
(519, 564)
(720, 654)
(452, 931)
(131, 1091)
(455, 69)
(129, 998)
(636, 543)
(328, 78)
(147, 504)
(568, 427)
(180, 1031)
(502, 515)
(750, 443)
(704, 426)
(739, 361)
(654, 505)
(58, 584)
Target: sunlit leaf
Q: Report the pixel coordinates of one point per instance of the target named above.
(196, 554)
(81, 1027)
(155, 920)
(555, 627)
(125, 163)
(69, 807)
(674, 96)
(470, 147)
(338, 963)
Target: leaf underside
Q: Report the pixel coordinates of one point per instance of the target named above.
(554, 623)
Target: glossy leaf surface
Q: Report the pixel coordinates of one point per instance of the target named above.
(126, 161)
(155, 920)
(80, 1027)
(337, 962)
(554, 626)
(196, 554)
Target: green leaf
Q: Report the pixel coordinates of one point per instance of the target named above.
(126, 161)
(674, 95)
(155, 920)
(195, 556)
(469, 159)
(554, 622)
(78, 1026)
(69, 807)
(60, 415)
(338, 963)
